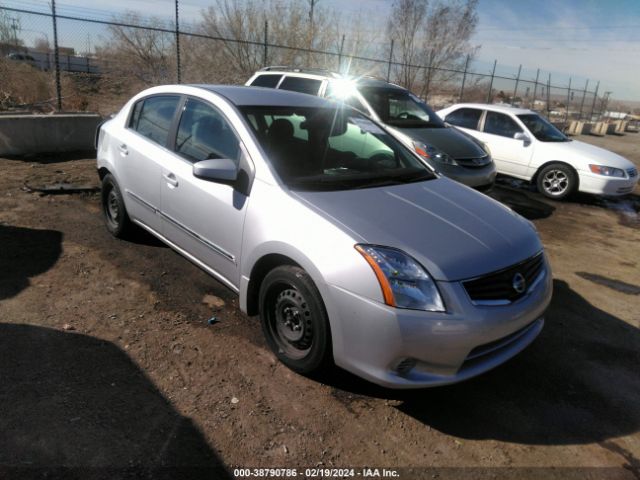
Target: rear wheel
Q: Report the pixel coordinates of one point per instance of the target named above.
(294, 320)
(557, 181)
(113, 209)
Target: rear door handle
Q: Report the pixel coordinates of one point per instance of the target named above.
(123, 149)
(171, 179)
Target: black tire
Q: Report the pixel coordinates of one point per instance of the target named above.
(557, 181)
(114, 212)
(294, 320)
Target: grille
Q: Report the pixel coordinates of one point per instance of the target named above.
(632, 172)
(474, 162)
(498, 286)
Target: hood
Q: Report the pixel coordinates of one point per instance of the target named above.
(453, 231)
(582, 152)
(448, 139)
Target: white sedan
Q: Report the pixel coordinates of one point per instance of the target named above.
(527, 146)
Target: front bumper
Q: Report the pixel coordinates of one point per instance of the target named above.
(482, 177)
(400, 348)
(601, 185)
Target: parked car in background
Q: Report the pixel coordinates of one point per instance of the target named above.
(451, 152)
(527, 146)
(345, 243)
(22, 58)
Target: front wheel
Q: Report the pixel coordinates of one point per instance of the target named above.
(557, 181)
(294, 320)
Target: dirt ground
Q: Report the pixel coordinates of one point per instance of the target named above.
(109, 368)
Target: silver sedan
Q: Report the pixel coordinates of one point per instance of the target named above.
(350, 249)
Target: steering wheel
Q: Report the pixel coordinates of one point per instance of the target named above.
(384, 160)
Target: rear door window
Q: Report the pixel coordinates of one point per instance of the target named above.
(268, 80)
(500, 124)
(152, 117)
(465, 118)
(302, 85)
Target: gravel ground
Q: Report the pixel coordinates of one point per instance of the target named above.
(109, 368)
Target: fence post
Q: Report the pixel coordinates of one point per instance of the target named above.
(549, 96)
(390, 60)
(593, 105)
(464, 77)
(515, 90)
(56, 54)
(584, 94)
(566, 115)
(535, 89)
(493, 74)
(178, 72)
(266, 44)
(340, 54)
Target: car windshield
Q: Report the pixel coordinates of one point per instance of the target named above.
(542, 129)
(400, 108)
(333, 148)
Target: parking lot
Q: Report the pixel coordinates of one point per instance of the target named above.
(109, 362)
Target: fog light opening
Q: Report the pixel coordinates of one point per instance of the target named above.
(404, 366)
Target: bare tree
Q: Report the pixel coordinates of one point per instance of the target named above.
(241, 25)
(9, 28)
(407, 17)
(143, 54)
(449, 27)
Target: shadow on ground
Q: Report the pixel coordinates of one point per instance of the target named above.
(24, 253)
(77, 407)
(522, 202)
(577, 383)
(55, 157)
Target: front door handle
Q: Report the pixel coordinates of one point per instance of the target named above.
(171, 179)
(123, 149)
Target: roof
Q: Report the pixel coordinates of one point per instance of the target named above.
(375, 82)
(495, 108)
(261, 96)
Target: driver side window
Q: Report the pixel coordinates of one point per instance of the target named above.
(500, 124)
(204, 134)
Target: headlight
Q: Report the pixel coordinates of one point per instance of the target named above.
(607, 171)
(433, 153)
(404, 282)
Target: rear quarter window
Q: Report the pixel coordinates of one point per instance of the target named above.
(267, 80)
(302, 85)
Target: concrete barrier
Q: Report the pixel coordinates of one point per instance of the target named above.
(599, 129)
(617, 127)
(575, 127)
(31, 134)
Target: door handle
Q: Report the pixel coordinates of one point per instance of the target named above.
(171, 179)
(123, 149)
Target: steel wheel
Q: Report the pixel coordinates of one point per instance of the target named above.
(294, 320)
(290, 322)
(113, 209)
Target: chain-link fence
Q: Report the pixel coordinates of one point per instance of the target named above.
(65, 62)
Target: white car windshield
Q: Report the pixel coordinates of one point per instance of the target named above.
(331, 149)
(542, 129)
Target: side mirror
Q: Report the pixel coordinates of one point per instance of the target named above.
(524, 137)
(216, 170)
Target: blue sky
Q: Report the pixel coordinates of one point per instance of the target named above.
(585, 39)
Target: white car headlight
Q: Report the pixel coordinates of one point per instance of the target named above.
(429, 151)
(404, 282)
(607, 171)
